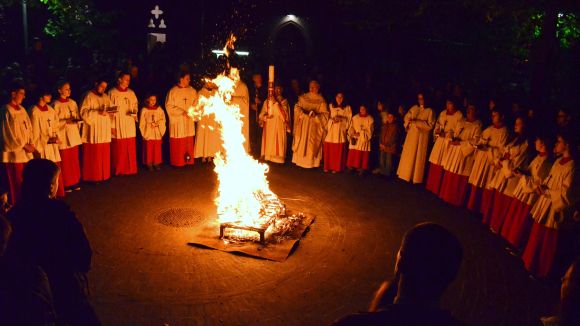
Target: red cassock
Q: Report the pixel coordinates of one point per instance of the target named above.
(518, 223)
(540, 250)
(12, 179)
(434, 178)
(152, 152)
(454, 188)
(71, 168)
(181, 149)
(358, 159)
(335, 156)
(96, 162)
(124, 156)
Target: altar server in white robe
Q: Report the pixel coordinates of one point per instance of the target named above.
(418, 122)
(460, 158)
(515, 157)
(123, 134)
(310, 119)
(181, 127)
(241, 97)
(69, 135)
(554, 231)
(275, 120)
(443, 132)
(335, 144)
(489, 148)
(17, 142)
(208, 137)
(152, 127)
(45, 133)
(360, 134)
(96, 134)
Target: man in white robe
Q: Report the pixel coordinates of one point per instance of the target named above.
(241, 97)
(95, 111)
(208, 137)
(419, 121)
(123, 134)
(181, 127)
(16, 142)
(275, 121)
(310, 119)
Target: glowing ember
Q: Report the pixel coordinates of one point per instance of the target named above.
(244, 197)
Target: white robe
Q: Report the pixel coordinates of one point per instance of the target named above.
(310, 119)
(444, 130)
(241, 97)
(97, 127)
(337, 131)
(504, 180)
(147, 119)
(555, 206)
(493, 140)
(364, 126)
(123, 121)
(16, 132)
(538, 170)
(460, 157)
(208, 139)
(44, 126)
(414, 154)
(177, 104)
(275, 119)
(69, 134)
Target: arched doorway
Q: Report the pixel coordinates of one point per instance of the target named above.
(290, 48)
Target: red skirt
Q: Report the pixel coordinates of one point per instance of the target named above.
(517, 225)
(434, 178)
(335, 155)
(486, 204)
(453, 188)
(12, 180)
(540, 251)
(358, 159)
(96, 162)
(152, 152)
(498, 212)
(179, 148)
(474, 200)
(71, 168)
(124, 156)
(60, 191)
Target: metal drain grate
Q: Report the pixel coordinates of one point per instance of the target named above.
(180, 217)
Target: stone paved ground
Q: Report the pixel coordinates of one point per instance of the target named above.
(144, 273)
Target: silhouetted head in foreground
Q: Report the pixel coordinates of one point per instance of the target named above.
(40, 179)
(570, 295)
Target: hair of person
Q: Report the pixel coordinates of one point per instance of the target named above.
(122, 73)
(100, 79)
(570, 300)
(523, 136)
(568, 138)
(182, 73)
(60, 84)
(16, 85)
(37, 178)
(335, 104)
(546, 138)
(430, 257)
(5, 232)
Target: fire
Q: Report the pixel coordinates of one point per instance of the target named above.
(244, 196)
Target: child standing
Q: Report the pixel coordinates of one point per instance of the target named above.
(388, 144)
(152, 127)
(360, 134)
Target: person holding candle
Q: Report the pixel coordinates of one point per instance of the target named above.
(152, 127)
(123, 142)
(335, 144)
(275, 121)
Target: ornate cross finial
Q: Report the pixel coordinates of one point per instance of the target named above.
(156, 12)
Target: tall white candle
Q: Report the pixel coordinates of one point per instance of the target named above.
(271, 74)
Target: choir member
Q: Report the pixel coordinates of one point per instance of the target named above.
(310, 119)
(275, 121)
(17, 141)
(518, 222)
(500, 189)
(208, 138)
(258, 95)
(69, 135)
(241, 97)
(418, 122)
(360, 134)
(152, 127)
(45, 127)
(460, 159)
(181, 127)
(443, 132)
(488, 152)
(123, 133)
(335, 144)
(552, 213)
(96, 134)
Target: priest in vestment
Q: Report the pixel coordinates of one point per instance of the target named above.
(69, 134)
(419, 121)
(16, 142)
(96, 136)
(310, 119)
(123, 134)
(208, 137)
(241, 97)
(275, 121)
(181, 127)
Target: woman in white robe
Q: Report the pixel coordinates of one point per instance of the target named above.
(418, 122)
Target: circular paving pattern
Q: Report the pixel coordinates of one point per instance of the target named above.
(179, 217)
